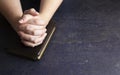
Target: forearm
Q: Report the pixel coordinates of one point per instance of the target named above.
(11, 10)
(49, 7)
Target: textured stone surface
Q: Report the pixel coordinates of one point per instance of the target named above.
(87, 42)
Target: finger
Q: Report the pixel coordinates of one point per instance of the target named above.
(28, 37)
(41, 38)
(31, 27)
(35, 27)
(33, 31)
(36, 32)
(30, 44)
(25, 18)
(36, 21)
(39, 32)
(31, 11)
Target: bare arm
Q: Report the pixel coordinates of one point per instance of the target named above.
(48, 8)
(12, 10)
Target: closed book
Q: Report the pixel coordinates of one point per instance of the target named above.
(15, 47)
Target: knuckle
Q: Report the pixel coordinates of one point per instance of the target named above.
(19, 33)
(45, 34)
(38, 32)
(27, 27)
(45, 30)
(41, 42)
(33, 32)
(20, 27)
(36, 41)
(30, 38)
(32, 9)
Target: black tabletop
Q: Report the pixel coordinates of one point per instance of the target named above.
(86, 42)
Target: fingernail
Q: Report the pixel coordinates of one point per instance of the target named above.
(37, 13)
(32, 9)
(21, 21)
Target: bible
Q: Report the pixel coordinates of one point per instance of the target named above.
(16, 48)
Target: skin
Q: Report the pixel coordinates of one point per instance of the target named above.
(30, 24)
(32, 28)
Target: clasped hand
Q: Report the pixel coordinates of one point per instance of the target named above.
(32, 28)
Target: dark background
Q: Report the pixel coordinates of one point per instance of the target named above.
(86, 42)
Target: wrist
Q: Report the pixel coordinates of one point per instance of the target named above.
(46, 18)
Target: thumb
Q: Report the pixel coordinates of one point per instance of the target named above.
(25, 18)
